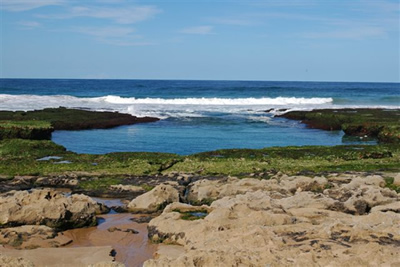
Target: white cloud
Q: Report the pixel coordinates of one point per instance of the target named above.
(120, 36)
(29, 24)
(121, 15)
(23, 5)
(106, 31)
(198, 30)
(351, 33)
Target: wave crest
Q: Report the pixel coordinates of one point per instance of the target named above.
(218, 101)
(162, 107)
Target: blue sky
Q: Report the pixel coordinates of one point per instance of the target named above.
(293, 40)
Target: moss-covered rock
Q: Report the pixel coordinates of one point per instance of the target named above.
(34, 130)
(75, 119)
(378, 123)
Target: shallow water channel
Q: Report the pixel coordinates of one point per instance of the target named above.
(128, 238)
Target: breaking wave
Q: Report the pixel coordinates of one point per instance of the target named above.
(218, 101)
(164, 107)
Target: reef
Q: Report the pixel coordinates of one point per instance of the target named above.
(383, 124)
(39, 124)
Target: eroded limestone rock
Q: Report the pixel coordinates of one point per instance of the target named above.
(154, 200)
(7, 261)
(32, 236)
(47, 207)
(288, 221)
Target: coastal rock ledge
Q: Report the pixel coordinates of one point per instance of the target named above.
(47, 207)
(154, 200)
(341, 220)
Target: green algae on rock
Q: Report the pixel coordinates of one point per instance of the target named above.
(383, 124)
(63, 119)
(29, 129)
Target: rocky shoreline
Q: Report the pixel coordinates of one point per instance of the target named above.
(382, 124)
(39, 124)
(337, 219)
(293, 206)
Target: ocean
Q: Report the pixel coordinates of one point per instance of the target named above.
(196, 116)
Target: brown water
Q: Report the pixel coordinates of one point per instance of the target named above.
(131, 249)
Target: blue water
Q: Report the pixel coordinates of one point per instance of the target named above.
(196, 115)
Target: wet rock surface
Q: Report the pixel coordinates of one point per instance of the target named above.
(32, 236)
(338, 220)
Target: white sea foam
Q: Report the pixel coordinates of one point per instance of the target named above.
(164, 108)
(218, 101)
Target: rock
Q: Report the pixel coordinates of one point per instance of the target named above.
(32, 236)
(52, 257)
(205, 191)
(47, 207)
(303, 183)
(142, 219)
(396, 180)
(119, 209)
(392, 207)
(113, 229)
(374, 180)
(64, 181)
(107, 264)
(7, 261)
(286, 221)
(306, 200)
(358, 198)
(184, 179)
(128, 188)
(154, 200)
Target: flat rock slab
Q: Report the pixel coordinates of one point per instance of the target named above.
(62, 257)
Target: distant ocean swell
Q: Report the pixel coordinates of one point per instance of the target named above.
(164, 107)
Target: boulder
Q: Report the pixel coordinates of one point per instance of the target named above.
(154, 200)
(47, 207)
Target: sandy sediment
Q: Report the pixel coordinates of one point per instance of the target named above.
(117, 237)
(62, 257)
(32, 224)
(128, 238)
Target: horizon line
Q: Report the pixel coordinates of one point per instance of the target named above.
(200, 80)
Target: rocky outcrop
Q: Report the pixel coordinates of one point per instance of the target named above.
(154, 200)
(378, 123)
(7, 261)
(47, 207)
(32, 236)
(285, 221)
(127, 191)
(205, 191)
(75, 119)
